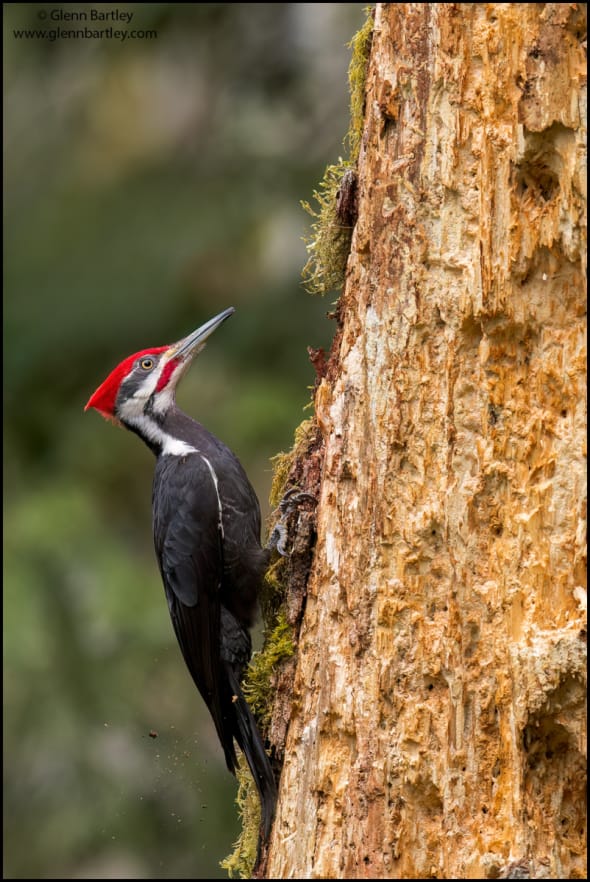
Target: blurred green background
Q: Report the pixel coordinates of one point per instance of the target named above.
(148, 185)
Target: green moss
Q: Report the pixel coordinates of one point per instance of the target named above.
(257, 686)
(357, 78)
(282, 462)
(329, 243)
(240, 863)
(272, 594)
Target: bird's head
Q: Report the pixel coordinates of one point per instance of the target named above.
(144, 384)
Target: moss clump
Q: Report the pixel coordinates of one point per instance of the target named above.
(357, 78)
(329, 243)
(240, 863)
(257, 685)
(271, 598)
(282, 462)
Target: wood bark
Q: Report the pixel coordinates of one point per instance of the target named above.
(437, 726)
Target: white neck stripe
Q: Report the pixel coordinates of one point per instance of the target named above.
(150, 430)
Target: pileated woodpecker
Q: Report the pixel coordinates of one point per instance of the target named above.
(206, 522)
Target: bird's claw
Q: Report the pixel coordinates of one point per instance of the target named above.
(289, 502)
(278, 538)
(292, 498)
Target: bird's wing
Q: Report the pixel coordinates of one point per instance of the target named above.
(189, 544)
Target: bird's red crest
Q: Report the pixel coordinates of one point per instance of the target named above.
(103, 400)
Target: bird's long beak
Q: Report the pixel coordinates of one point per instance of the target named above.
(194, 343)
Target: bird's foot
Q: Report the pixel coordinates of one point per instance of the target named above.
(288, 504)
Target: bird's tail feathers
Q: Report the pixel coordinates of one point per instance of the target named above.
(248, 737)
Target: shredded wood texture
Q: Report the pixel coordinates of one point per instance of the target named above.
(438, 720)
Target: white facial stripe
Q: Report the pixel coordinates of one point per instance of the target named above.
(148, 387)
(165, 398)
(132, 408)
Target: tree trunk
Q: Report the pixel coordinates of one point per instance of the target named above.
(437, 727)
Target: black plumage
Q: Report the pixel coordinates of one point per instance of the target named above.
(206, 520)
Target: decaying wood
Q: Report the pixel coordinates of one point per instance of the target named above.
(437, 727)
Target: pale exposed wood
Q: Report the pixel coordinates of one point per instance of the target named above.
(438, 723)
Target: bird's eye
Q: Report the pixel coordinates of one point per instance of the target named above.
(147, 363)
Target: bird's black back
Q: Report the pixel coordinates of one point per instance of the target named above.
(206, 521)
